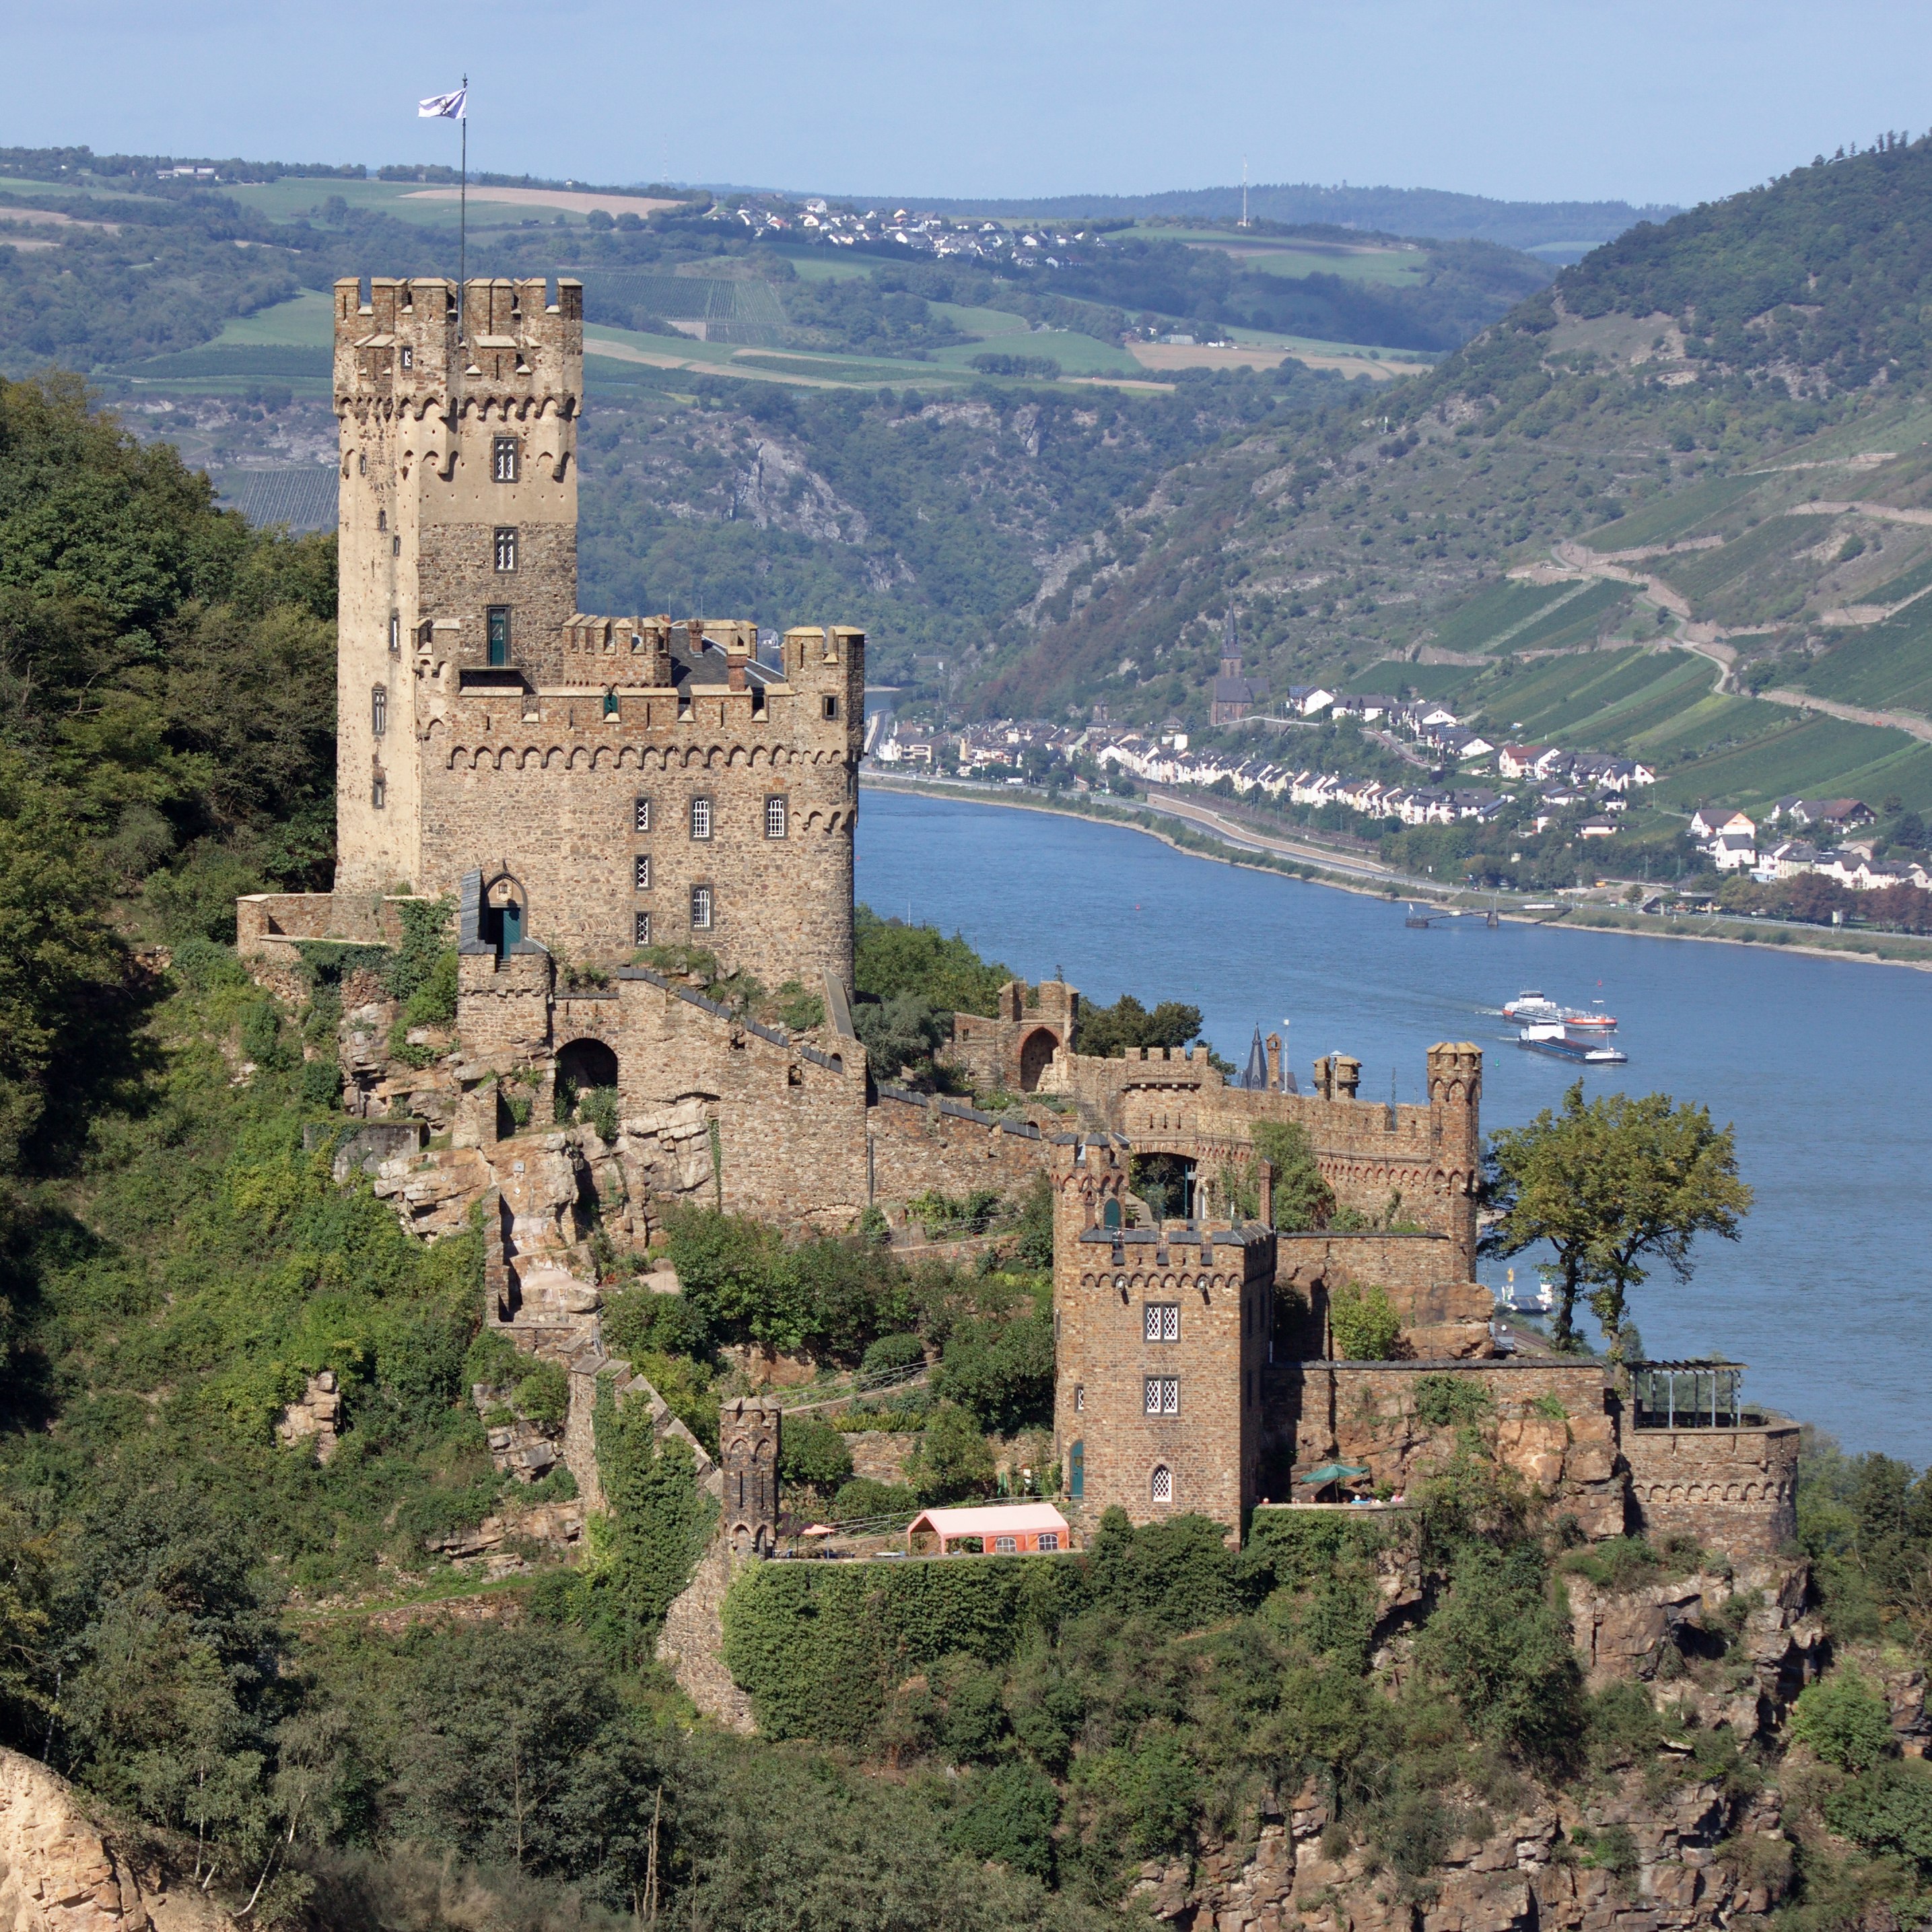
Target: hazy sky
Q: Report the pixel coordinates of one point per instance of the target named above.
(1643, 99)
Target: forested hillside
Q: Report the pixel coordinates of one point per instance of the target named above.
(1721, 418)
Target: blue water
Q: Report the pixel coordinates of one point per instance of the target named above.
(1824, 1066)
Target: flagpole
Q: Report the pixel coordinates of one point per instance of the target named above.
(463, 216)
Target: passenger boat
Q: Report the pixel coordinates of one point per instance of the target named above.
(1554, 1038)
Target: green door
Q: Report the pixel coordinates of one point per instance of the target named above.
(1076, 1471)
(500, 634)
(513, 924)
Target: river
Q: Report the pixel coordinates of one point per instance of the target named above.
(1825, 1066)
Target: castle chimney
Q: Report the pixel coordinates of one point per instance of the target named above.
(1266, 1181)
(1347, 1076)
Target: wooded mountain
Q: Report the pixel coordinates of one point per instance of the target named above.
(1710, 432)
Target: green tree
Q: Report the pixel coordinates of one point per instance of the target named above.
(1611, 1184)
(1303, 1200)
(1364, 1323)
(1107, 1032)
(953, 1460)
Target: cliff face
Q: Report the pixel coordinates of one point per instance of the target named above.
(58, 1873)
(1695, 1857)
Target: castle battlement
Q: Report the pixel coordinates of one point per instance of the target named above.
(516, 349)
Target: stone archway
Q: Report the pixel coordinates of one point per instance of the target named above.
(582, 1065)
(1036, 1052)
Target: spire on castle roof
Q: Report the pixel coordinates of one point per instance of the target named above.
(1254, 1076)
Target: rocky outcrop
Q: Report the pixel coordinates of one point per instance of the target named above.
(502, 1544)
(1692, 1860)
(58, 1873)
(314, 1419)
(1653, 1632)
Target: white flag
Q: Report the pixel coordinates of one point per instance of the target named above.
(442, 106)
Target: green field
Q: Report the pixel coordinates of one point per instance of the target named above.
(1888, 668)
(1576, 618)
(1363, 263)
(1392, 675)
(1676, 516)
(1659, 706)
(308, 322)
(1486, 616)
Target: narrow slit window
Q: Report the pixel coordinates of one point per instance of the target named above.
(700, 908)
(506, 550)
(641, 868)
(775, 816)
(701, 818)
(1079, 1398)
(395, 630)
(506, 459)
(829, 706)
(409, 356)
(641, 929)
(379, 710)
(379, 791)
(641, 816)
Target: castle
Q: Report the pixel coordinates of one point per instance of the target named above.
(586, 790)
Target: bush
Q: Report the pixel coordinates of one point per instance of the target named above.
(1002, 1372)
(1008, 1818)
(1889, 1810)
(1844, 1720)
(1446, 1401)
(1499, 1645)
(891, 1352)
(1033, 368)
(810, 1450)
(1364, 1324)
(865, 1497)
(1303, 1200)
(636, 1322)
(321, 1082)
(902, 1032)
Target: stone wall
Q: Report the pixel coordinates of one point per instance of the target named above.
(1731, 1490)
(922, 1142)
(1442, 1314)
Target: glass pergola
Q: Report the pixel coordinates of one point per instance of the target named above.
(1686, 1395)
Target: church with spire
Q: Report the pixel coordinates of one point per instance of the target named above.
(1232, 696)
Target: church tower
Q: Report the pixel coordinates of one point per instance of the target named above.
(458, 523)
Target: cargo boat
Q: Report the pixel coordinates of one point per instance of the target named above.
(1554, 1038)
(1531, 1009)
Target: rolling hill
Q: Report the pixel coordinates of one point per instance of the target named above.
(1712, 435)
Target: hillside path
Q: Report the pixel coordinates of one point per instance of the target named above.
(1722, 656)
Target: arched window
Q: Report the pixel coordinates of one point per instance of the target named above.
(609, 704)
(1160, 1488)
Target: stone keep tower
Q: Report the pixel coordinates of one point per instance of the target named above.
(748, 1433)
(621, 782)
(458, 526)
(1160, 1338)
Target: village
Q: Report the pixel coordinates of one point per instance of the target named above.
(1464, 777)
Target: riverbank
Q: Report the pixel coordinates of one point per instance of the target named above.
(1203, 833)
